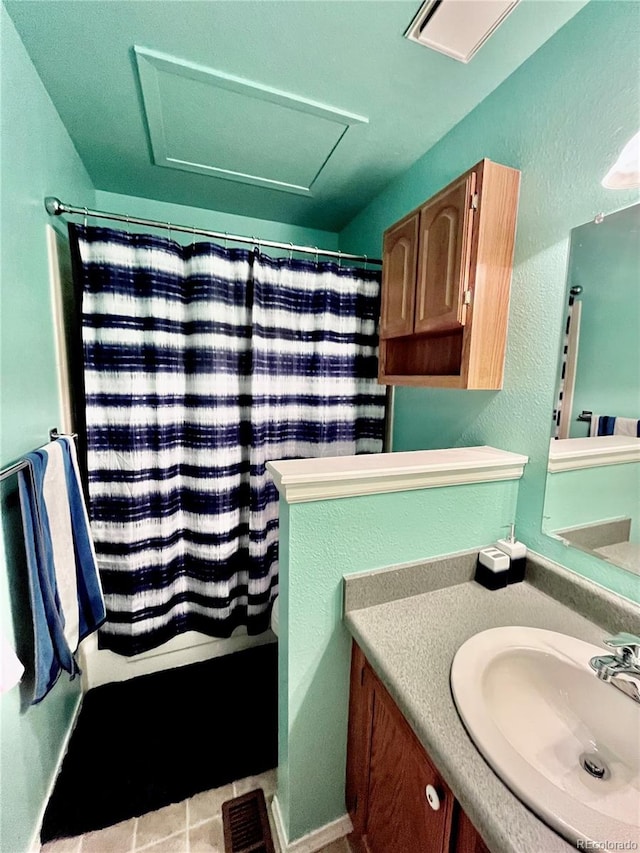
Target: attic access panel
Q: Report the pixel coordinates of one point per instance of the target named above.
(203, 120)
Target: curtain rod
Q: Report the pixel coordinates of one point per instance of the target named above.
(55, 207)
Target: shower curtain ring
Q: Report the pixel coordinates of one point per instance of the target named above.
(225, 239)
(290, 251)
(339, 258)
(86, 213)
(169, 230)
(365, 261)
(316, 248)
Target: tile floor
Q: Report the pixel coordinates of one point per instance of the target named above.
(192, 826)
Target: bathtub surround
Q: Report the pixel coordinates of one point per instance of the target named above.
(322, 540)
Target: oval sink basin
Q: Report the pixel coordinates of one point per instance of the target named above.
(549, 728)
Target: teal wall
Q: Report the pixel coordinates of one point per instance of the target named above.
(592, 495)
(562, 118)
(37, 159)
(605, 261)
(320, 542)
(209, 220)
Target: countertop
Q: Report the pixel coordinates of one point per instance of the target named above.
(411, 642)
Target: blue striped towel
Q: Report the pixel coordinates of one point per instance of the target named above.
(609, 425)
(64, 587)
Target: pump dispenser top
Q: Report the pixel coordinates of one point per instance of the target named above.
(517, 553)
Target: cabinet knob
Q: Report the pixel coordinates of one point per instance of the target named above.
(432, 797)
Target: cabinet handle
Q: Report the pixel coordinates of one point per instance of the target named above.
(432, 797)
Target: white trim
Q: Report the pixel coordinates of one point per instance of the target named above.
(569, 454)
(300, 480)
(60, 280)
(101, 666)
(313, 841)
(34, 846)
(151, 64)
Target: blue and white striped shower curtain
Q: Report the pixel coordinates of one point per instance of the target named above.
(201, 364)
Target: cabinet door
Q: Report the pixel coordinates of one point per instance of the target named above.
(359, 739)
(443, 264)
(467, 838)
(399, 818)
(399, 256)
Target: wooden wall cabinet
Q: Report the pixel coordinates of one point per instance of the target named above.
(446, 276)
(388, 777)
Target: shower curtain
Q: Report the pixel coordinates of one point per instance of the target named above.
(201, 364)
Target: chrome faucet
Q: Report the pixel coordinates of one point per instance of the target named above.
(619, 668)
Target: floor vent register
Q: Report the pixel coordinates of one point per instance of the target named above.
(246, 824)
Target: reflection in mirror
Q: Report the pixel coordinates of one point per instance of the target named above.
(592, 499)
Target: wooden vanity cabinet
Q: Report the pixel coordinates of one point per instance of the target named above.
(446, 275)
(388, 773)
(465, 837)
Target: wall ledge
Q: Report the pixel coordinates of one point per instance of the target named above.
(302, 480)
(568, 454)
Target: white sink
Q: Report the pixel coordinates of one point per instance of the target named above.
(534, 707)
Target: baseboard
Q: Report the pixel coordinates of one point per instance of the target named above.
(313, 841)
(34, 846)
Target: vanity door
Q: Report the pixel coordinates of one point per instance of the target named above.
(389, 774)
(400, 818)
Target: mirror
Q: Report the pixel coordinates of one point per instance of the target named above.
(592, 498)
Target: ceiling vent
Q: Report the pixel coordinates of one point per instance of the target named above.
(458, 28)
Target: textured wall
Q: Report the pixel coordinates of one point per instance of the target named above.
(590, 495)
(211, 220)
(561, 118)
(320, 542)
(38, 159)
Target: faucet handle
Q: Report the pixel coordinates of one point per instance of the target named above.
(628, 645)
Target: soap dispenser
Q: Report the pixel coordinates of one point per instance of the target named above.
(517, 553)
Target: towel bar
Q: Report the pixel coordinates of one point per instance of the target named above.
(18, 466)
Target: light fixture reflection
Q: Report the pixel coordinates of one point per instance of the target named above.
(625, 172)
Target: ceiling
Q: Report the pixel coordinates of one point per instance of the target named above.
(297, 111)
